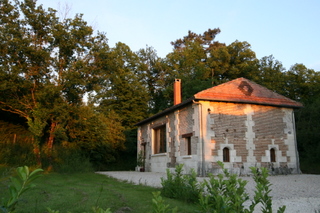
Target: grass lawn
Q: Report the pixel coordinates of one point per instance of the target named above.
(81, 192)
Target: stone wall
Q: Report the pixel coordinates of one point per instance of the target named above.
(248, 131)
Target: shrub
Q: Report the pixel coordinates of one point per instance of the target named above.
(223, 193)
(226, 193)
(182, 187)
(18, 186)
(262, 191)
(14, 154)
(66, 159)
(159, 206)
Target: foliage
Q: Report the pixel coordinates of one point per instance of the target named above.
(262, 191)
(123, 91)
(226, 193)
(94, 210)
(19, 185)
(47, 67)
(308, 136)
(79, 192)
(182, 187)
(140, 160)
(159, 205)
(99, 136)
(14, 154)
(68, 159)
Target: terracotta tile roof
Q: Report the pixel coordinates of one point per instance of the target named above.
(240, 90)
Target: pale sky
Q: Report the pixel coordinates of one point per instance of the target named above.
(287, 29)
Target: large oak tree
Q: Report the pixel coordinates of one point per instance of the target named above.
(47, 65)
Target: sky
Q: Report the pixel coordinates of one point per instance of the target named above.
(287, 29)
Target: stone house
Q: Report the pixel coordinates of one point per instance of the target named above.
(240, 123)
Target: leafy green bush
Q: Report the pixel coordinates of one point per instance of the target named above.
(262, 191)
(14, 154)
(223, 193)
(226, 193)
(18, 186)
(159, 206)
(182, 187)
(66, 159)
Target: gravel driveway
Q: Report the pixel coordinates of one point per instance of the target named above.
(300, 193)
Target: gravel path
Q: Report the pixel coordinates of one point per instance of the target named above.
(300, 193)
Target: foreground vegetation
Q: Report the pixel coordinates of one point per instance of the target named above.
(223, 193)
(79, 192)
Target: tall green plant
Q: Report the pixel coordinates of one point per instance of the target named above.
(226, 193)
(159, 206)
(18, 186)
(262, 191)
(180, 186)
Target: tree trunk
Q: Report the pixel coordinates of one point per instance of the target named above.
(50, 144)
(36, 151)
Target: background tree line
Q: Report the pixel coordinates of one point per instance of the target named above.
(66, 96)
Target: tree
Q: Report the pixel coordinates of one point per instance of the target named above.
(46, 66)
(271, 74)
(308, 136)
(201, 62)
(302, 84)
(153, 72)
(189, 62)
(124, 92)
(100, 136)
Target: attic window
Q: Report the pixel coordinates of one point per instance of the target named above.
(245, 88)
(159, 140)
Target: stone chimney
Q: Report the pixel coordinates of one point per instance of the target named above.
(177, 91)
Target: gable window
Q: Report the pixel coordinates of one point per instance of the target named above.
(272, 155)
(226, 154)
(159, 140)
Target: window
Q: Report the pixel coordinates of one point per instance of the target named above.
(188, 145)
(226, 155)
(272, 155)
(159, 140)
(186, 150)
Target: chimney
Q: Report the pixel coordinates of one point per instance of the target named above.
(177, 91)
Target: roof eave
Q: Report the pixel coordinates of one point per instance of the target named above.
(166, 111)
(182, 104)
(295, 105)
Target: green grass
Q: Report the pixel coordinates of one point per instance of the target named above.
(80, 192)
